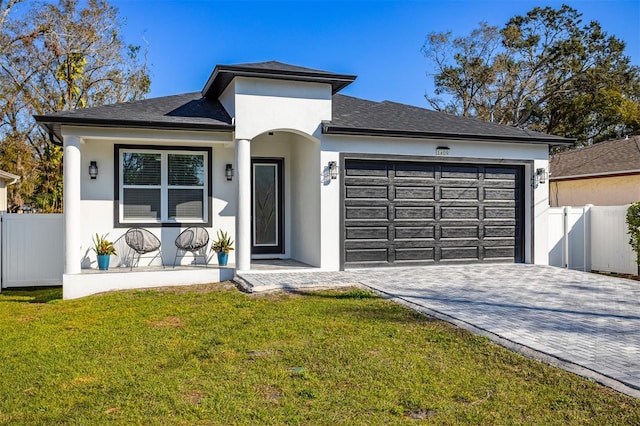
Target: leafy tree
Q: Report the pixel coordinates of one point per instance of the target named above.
(545, 71)
(466, 68)
(57, 57)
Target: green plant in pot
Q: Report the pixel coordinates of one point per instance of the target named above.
(222, 246)
(104, 249)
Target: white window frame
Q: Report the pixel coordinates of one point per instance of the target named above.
(164, 186)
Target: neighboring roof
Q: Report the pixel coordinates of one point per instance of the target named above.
(222, 75)
(614, 157)
(189, 111)
(9, 176)
(355, 116)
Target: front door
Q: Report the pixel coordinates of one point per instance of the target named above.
(267, 205)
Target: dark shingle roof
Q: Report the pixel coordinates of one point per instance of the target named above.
(223, 74)
(280, 66)
(203, 111)
(358, 116)
(189, 111)
(612, 157)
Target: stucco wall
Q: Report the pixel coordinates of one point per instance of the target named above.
(535, 234)
(278, 146)
(599, 191)
(262, 105)
(96, 205)
(306, 181)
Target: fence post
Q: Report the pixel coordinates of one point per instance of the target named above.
(586, 214)
(2, 213)
(565, 236)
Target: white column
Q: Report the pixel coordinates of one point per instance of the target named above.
(243, 214)
(71, 205)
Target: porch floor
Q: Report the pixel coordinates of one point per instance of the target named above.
(153, 268)
(277, 264)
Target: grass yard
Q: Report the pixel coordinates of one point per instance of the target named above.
(212, 355)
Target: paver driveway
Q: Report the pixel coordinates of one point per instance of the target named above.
(586, 323)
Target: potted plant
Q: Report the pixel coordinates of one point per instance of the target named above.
(222, 246)
(104, 249)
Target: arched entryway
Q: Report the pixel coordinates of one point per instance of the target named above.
(284, 197)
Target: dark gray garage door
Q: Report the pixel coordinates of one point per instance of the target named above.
(414, 213)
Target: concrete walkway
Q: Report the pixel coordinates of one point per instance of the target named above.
(585, 323)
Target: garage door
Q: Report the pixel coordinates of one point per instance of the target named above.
(414, 213)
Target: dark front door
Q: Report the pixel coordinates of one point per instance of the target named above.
(267, 205)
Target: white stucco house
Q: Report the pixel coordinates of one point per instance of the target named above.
(6, 179)
(328, 180)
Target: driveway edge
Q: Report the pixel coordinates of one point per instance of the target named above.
(516, 347)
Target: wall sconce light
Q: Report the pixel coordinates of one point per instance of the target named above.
(541, 175)
(333, 169)
(228, 172)
(93, 169)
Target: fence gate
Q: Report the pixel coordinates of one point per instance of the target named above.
(591, 238)
(569, 237)
(32, 250)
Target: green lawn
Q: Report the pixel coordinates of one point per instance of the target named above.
(212, 355)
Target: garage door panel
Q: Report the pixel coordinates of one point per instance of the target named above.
(504, 252)
(414, 170)
(401, 182)
(366, 181)
(405, 244)
(367, 232)
(459, 253)
(506, 230)
(449, 193)
(460, 232)
(426, 212)
(451, 212)
(366, 192)
(414, 192)
(366, 212)
(414, 254)
(499, 212)
(366, 255)
(412, 213)
(414, 232)
(499, 194)
(366, 168)
(397, 203)
(497, 184)
(458, 172)
(491, 173)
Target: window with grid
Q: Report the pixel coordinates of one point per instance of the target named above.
(162, 186)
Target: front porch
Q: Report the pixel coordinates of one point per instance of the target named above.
(92, 281)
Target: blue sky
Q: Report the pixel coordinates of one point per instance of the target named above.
(379, 41)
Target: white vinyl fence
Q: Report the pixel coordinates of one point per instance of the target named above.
(32, 250)
(591, 238)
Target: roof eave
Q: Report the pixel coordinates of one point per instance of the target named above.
(48, 123)
(224, 74)
(328, 128)
(595, 175)
(9, 177)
